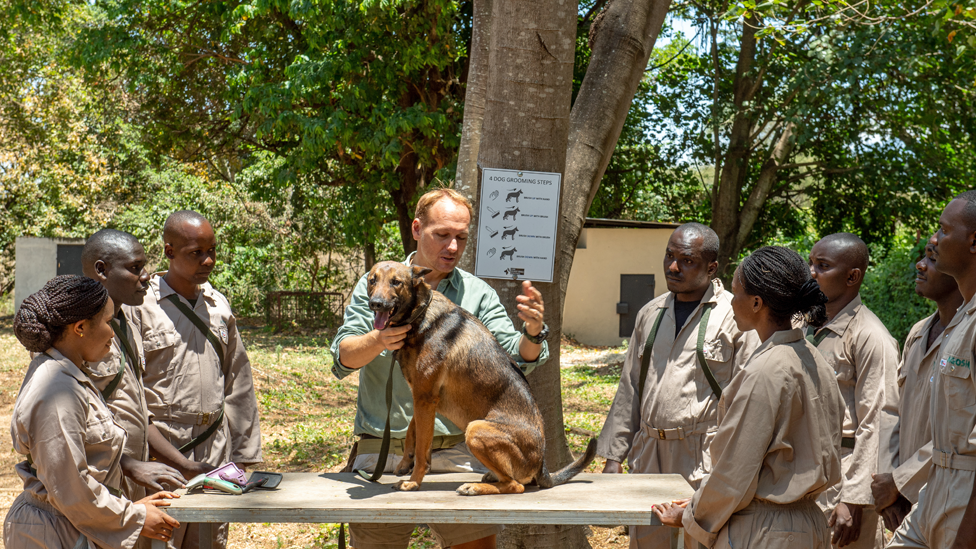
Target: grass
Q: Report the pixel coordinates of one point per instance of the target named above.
(307, 421)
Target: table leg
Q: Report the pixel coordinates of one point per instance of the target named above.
(676, 541)
(157, 544)
(206, 535)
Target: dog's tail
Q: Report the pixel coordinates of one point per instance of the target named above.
(563, 475)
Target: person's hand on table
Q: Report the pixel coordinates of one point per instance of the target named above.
(612, 467)
(670, 513)
(158, 524)
(155, 476)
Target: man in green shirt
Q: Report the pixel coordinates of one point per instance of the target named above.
(441, 230)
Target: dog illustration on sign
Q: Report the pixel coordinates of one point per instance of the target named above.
(509, 252)
(510, 213)
(509, 232)
(515, 195)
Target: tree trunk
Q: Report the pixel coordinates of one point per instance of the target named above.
(622, 40)
(525, 127)
(467, 179)
(760, 192)
(735, 168)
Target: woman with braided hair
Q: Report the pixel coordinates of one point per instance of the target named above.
(780, 419)
(72, 473)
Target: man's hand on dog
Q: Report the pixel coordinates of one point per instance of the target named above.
(391, 337)
(531, 308)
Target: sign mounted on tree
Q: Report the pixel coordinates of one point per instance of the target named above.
(517, 224)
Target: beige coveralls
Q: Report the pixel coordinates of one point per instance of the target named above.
(942, 502)
(776, 448)
(865, 358)
(911, 441)
(128, 400)
(678, 402)
(61, 422)
(185, 385)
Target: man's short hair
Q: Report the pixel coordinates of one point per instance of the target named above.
(106, 245)
(969, 212)
(853, 250)
(430, 198)
(173, 228)
(709, 248)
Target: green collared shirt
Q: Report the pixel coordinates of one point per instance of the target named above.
(462, 288)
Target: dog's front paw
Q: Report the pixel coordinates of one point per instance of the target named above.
(403, 468)
(406, 486)
(469, 489)
(489, 477)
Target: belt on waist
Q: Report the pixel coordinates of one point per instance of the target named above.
(759, 504)
(847, 442)
(953, 461)
(201, 418)
(678, 433)
(369, 444)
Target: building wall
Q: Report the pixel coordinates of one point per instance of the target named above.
(590, 311)
(36, 263)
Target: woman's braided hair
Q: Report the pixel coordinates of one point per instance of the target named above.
(780, 277)
(64, 300)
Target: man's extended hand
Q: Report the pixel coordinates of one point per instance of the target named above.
(531, 308)
(884, 490)
(391, 337)
(153, 475)
(845, 522)
(670, 514)
(612, 467)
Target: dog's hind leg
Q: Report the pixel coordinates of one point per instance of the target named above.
(496, 450)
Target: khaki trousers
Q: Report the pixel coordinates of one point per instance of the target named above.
(936, 517)
(798, 525)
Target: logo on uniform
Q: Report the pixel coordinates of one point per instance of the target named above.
(222, 331)
(952, 362)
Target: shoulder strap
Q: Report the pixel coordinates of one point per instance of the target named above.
(646, 358)
(198, 322)
(814, 337)
(107, 392)
(197, 440)
(122, 330)
(700, 349)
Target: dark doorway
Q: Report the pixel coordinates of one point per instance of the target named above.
(69, 259)
(635, 292)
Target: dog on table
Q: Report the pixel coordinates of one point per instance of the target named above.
(455, 367)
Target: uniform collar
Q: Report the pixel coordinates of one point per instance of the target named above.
(165, 289)
(714, 290)
(68, 367)
(923, 334)
(453, 279)
(781, 337)
(843, 319)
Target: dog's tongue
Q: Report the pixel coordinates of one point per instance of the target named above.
(380, 319)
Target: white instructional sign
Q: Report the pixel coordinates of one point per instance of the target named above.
(517, 224)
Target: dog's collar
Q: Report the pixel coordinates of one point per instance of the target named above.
(419, 312)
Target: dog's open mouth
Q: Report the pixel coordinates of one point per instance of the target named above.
(381, 318)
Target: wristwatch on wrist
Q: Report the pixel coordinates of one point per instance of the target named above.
(537, 339)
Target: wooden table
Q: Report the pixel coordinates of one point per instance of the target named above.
(607, 500)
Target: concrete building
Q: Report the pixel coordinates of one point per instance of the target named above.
(618, 268)
(41, 259)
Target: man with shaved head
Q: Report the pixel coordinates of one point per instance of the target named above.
(684, 350)
(865, 357)
(198, 382)
(945, 515)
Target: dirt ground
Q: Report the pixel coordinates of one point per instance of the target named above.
(307, 417)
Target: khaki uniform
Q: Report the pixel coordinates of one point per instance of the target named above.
(776, 448)
(677, 401)
(911, 441)
(865, 358)
(185, 386)
(61, 422)
(128, 400)
(942, 503)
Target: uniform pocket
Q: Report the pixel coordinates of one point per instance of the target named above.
(99, 428)
(160, 339)
(959, 390)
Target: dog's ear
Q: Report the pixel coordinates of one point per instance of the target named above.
(419, 273)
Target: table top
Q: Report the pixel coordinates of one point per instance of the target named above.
(346, 497)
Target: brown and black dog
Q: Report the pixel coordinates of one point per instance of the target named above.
(455, 367)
